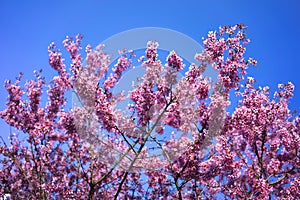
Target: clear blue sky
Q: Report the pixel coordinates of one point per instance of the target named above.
(27, 28)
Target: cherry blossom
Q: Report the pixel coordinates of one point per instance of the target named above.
(177, 140)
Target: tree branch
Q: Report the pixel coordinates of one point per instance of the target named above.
(140, 149)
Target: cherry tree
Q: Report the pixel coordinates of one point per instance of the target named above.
(176, 139)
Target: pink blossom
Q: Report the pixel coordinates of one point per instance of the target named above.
(177, 142)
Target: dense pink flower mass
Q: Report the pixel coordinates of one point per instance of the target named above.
(175, 141)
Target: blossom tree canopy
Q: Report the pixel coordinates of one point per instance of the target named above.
(176, 140)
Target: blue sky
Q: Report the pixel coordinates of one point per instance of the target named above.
(28, 27)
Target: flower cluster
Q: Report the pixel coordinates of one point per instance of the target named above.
(175, 61)
(122, 65)
(177, 142)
